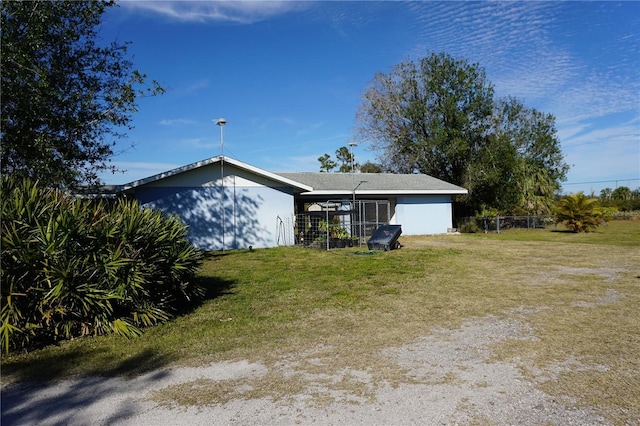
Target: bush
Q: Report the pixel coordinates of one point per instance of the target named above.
(609, 213)
(579, 213)
(469, 227)
(73, 267)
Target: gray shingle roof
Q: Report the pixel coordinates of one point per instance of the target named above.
(373, 183)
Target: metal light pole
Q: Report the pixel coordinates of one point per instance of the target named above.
(221, 122)
(354, 190)
(353, 214)
(353, 208)
(353, 160)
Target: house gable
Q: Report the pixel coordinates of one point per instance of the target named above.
(208, 173)
(235, 211)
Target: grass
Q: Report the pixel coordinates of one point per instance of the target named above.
(623, 233)
(578, 293)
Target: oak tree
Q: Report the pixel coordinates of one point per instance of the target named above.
(439, 116)
(67, 97)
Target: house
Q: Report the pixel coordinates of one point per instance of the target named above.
(229, 204)
(420, 203)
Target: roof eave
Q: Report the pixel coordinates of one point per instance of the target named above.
(212, 160)
(169, 173)
(389, 192)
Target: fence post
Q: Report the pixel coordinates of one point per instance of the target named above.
(498, 223)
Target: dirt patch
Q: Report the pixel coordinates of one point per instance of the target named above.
(557, 274)
(447, 377)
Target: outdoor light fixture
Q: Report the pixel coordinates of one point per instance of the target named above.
(221, 122)
(354, 190)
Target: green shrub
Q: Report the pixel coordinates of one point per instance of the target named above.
(579, 213)
(73, 267)
(626, 215)
(469, 227)
(609, 213)
(335, 229)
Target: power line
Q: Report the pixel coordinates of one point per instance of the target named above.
(600, 181)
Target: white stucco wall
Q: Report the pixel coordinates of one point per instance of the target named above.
(249, 215)
(423, 214)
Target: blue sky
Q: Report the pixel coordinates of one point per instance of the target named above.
(288, 76)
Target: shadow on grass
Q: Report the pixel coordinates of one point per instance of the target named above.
(105, 359)
(214, 287)
(33, 394)
(56, 365)
(70, 402)
(94, 371)
(219, 254)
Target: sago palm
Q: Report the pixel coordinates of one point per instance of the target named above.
(579, 213)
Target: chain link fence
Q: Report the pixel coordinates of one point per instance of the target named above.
(502, 223)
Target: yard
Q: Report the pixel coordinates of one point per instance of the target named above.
(340, 326)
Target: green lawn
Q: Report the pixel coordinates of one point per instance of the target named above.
(618, 233)
(581, 293)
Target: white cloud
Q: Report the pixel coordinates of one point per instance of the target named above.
(528, 55)
(176, 122)
(602, 154)
(530, 51)
(511, 40)
(594, 163)
(239, 11)
(567, 132)
(627, 133)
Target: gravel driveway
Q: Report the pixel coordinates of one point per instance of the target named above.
(448, 378)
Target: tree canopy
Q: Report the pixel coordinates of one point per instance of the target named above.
(326, 163)
(621, 198)
(66, 99)
(344, 157)
(439, 116)
(370, 167)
